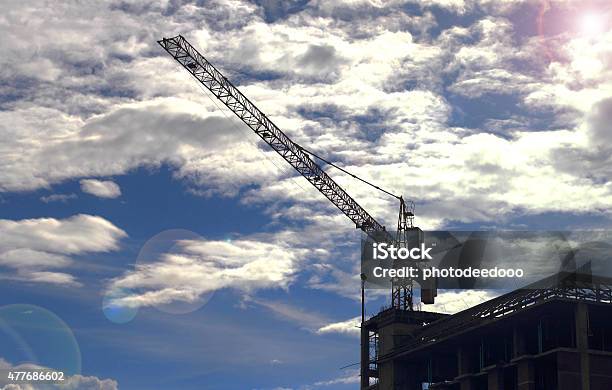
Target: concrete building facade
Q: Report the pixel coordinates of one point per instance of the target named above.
(554, 335)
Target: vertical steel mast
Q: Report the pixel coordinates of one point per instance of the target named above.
(402, 294)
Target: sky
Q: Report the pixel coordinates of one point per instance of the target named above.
(149, 240)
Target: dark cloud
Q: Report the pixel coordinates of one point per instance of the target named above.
(321, 61)
(592, 161)
(319, 57)
(279, 9)
(600, 124)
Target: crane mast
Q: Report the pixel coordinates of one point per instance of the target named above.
(199, 67)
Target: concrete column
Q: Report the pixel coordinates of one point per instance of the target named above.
(525, 374)
(410, 380)
(466, 384)
(463, 369)
(395, 374)
(365, 357)
(386, 375)
(495, 379)
(582, 344)
(519, 346)
(463, 364)
(568, 371)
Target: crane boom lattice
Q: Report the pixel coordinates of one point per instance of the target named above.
(195, 63)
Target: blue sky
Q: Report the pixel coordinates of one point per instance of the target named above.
(148, 240)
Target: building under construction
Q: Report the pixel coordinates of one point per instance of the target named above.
(555, 335)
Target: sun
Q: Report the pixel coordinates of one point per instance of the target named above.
(591, 24)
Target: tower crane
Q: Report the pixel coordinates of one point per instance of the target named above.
(298, 157)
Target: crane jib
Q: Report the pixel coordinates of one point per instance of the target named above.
(184, 53)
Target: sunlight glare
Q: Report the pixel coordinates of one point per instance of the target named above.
(592, 24)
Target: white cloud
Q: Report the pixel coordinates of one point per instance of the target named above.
(493, 81)
(42, 250)
(100, 188)
(349, 327)
(447, 301)
(453, 301)
(337, 279)
(368, 89)
(80, 382)
(26, 257)
(73, 382)
(307, 320)
(351, 378)
(207, 150)
(196, 268)
(326, 66)
(57, 198)
(75, 235)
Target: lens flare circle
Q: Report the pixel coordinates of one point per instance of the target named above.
(156, 249)
(115, 312)
(32, 335)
